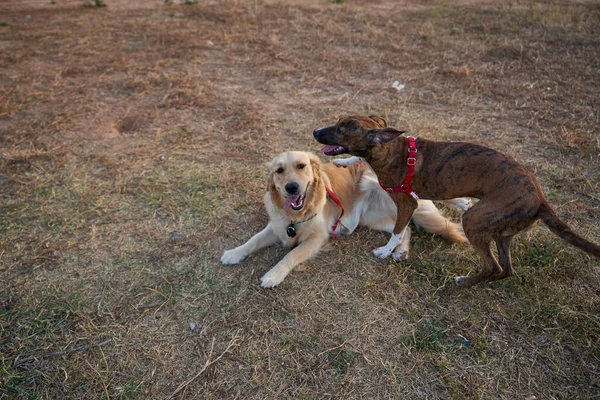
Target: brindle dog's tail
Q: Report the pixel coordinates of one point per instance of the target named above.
(564, 232)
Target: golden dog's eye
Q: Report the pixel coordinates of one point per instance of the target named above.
(300, 166)
(279, 170)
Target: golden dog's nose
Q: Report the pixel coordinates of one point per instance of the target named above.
(292, 188)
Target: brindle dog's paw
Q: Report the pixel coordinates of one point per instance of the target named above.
(459, 280)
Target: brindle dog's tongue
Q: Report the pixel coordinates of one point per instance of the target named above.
(328, 148)
(289, 201)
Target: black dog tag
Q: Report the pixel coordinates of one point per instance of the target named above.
(291, 230)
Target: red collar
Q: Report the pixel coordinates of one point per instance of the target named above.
(410, 172)
(339, 203)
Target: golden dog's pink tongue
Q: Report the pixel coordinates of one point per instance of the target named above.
(289, 201)
(328, 148)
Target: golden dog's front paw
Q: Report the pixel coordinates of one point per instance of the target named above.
(231, 257)
(272, 278)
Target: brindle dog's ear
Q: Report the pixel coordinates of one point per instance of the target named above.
(379, 120)
(380, 136)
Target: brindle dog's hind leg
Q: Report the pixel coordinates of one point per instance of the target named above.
(489, 268)
(480, 235)
(503, 244)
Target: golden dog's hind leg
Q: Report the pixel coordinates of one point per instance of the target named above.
(262, 239)
(429, 217)
(304, 251)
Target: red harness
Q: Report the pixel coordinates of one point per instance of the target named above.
(410, 161)
(339, 203)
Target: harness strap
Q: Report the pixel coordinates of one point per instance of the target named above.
(339, 203)
(410, 172)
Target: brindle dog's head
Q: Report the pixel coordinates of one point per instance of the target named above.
(355, 135)
(294, 178)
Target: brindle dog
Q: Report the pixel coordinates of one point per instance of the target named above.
(511, 199)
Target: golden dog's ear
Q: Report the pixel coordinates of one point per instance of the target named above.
(269, 164)
(380, 136)
(380, 121)
(271, 182)
(315, 163)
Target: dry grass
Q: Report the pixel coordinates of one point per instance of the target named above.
(132, 145)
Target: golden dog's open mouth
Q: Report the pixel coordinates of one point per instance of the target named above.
(333, 150)
(296, 202)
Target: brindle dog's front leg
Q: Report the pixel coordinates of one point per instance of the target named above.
(405, 206)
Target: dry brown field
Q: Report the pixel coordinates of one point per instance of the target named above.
(133, 139)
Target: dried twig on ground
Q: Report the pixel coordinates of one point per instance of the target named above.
(23, 362)
(233, 342)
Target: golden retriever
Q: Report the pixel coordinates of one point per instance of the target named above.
(304, 215)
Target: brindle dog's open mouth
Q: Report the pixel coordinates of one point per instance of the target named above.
(333, 150)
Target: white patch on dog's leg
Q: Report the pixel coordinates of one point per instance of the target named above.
(458, 280)
(386, 251)
(344, 162)
(401, 252)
